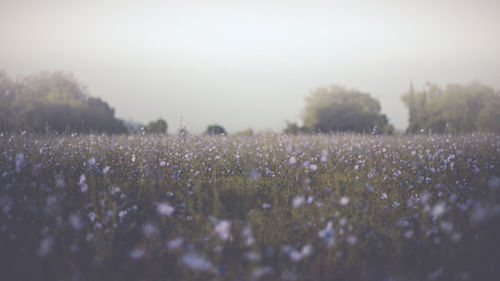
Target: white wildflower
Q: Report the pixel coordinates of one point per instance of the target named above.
(137, 253)
(344, 200)
(298, 201)
(196, 262)
(222, 229)
(165, 209)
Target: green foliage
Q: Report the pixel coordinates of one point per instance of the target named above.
(215, 130)
(454, 109)
(53, 101)
(156, 127)
(337, 109)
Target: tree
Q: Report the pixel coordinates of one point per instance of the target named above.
(53, 101)
(215, 130)
(488, 119)
(159, 126)
(337, 109)
(454, 109)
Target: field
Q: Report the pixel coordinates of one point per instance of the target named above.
(262, 207)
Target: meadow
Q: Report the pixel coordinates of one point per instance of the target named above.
(261, 207)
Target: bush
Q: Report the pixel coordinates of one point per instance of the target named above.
(156, 127)
(215, 130)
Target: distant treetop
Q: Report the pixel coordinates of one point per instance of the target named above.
(337, 109)
(156, 127)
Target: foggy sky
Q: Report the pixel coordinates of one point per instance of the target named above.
(248, 64)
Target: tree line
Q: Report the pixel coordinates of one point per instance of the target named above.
(55, 102)
(454, 109)
(58, 102)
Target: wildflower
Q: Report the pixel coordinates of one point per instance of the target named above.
(298, 255)
(438, 209)
(114, 190)
(83, 186)
(76, 222)
(298, 201)
(137, 253)
(313, 167)
(252, 256)
(165, 209)
(45, 246)
(253, 174)
(222, 229)
(106, 170)
(247, 233)
(122, 214)
(92, 216)
(19, 162)
(150, 229)
(91, 161)
(175, 243)
(261, 271)
(324, 156)
(351, 239)
(344, 200)
(327, 234)
(196, 262)
(446, 226)
(60, 181)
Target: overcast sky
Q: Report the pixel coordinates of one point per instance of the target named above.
(248, 64)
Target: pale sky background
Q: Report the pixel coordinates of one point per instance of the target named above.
(248, 64)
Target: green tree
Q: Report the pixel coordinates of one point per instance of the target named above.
(53, 101)
(454, 109)
(215, 130)
(337, 109)
(159, 126)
